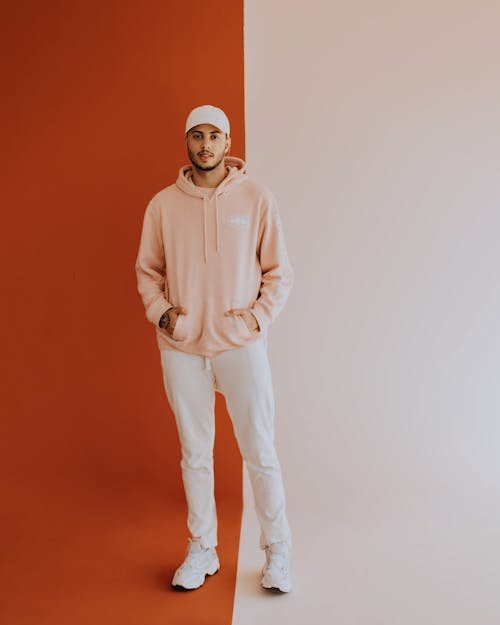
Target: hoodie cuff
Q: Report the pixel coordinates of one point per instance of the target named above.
(156, 310)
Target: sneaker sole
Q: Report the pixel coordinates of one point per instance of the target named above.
(184, 589)
(275, 590)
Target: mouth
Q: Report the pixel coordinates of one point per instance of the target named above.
(204, 156)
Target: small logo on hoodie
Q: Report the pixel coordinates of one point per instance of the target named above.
(238, 221)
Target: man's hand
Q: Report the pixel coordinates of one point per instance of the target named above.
(247, 315)
(172, 314)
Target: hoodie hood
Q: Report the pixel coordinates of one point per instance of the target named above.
(237, 172)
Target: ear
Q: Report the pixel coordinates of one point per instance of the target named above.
(228, 145)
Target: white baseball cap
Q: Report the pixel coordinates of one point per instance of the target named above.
(208, 114)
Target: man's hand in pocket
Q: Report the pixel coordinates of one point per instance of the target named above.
(247, 315)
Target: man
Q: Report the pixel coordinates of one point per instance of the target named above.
(213, 274)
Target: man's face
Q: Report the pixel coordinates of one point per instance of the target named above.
(207, 146)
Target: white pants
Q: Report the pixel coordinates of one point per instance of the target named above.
(243, 376)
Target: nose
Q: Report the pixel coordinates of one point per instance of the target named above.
(205, 144)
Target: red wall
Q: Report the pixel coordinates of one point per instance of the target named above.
(94, 101)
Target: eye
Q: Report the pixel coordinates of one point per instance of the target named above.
(214, 137)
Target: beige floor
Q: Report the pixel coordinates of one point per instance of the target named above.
(432, 559)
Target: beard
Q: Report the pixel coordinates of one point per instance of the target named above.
(199, 167)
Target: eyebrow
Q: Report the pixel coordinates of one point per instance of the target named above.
(212, 132)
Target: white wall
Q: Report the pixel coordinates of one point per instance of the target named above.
(378, 127)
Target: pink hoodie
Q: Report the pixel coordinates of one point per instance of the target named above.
(210, 250)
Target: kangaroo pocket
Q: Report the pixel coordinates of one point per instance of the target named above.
(178, 333)
(238, 329)
(223, 332)
(212, 333)
(190, 328)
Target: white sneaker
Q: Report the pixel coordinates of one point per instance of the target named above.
(276, 571)
(198, 563)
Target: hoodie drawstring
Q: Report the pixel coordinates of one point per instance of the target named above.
(205, 226)
(205, 244)
(216, 225)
